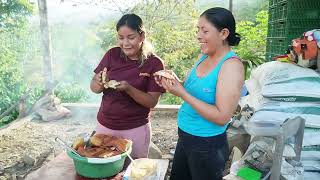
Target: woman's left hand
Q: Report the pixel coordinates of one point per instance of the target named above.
(173, 86)
(123, 86)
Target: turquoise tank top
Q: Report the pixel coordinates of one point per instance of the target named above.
(204, 89)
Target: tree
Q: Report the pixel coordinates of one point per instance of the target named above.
(13, 34)
(46, 46)
(252, 46)
(13, 13)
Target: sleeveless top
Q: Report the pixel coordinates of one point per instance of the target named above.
(204, 89)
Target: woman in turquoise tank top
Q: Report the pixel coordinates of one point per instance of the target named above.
(211, 93)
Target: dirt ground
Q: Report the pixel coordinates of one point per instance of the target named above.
(31, 144)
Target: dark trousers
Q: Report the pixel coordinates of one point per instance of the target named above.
(199, 158)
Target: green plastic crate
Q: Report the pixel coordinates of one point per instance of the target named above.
(292, 10)
(288, 19)
(295, 3)
(272, 3)
(291, 28)
(276, 46)
(303, 4)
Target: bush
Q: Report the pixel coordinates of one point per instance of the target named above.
(11, 82)
(71, 93)
(252, 47)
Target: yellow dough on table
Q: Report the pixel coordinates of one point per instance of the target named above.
(142, 168)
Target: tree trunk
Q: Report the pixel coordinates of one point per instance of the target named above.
(46, 46)
(230, 5)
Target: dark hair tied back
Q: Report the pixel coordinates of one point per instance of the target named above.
(222, 18)
(234, 40)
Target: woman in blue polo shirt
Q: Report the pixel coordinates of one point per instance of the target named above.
(211, 93)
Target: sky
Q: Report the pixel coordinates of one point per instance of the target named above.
(84, 11)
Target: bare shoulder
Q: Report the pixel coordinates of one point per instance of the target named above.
(233, 64)
(232, 69)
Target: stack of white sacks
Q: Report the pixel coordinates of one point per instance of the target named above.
(278, 91)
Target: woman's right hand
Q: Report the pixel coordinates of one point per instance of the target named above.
(158, 79)
(97, 78)
(101, 77)
(97, 84)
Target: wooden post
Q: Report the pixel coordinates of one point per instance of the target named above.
(46, 46)
(230, 5)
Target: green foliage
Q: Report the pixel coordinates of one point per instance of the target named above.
(12, 35)
(7, 119)
(247, 10)
(107, 34)
(172, 32)
(71, 93)
(171, 28)
(168, 98)
(242, 10)
(11, 82)
(252, 46)
(13, 12)
(77, 52)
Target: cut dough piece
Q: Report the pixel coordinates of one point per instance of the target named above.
(164, 73)
(111, 84)
(104, 75)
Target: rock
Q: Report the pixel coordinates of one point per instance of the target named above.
(49, 108)
(167, 156)
(173, 145)
(14, 176)
(52, 107)
(36, 116)
(20, 177)
(1, 169)
(255, 154)
(48, 115)
(20, 164)
(236, 155)
(71, 129)
(56, 100)
(28, 160)
(172, 151)
(41, 102)
(154, 152)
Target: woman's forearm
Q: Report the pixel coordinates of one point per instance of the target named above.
(96, 87)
